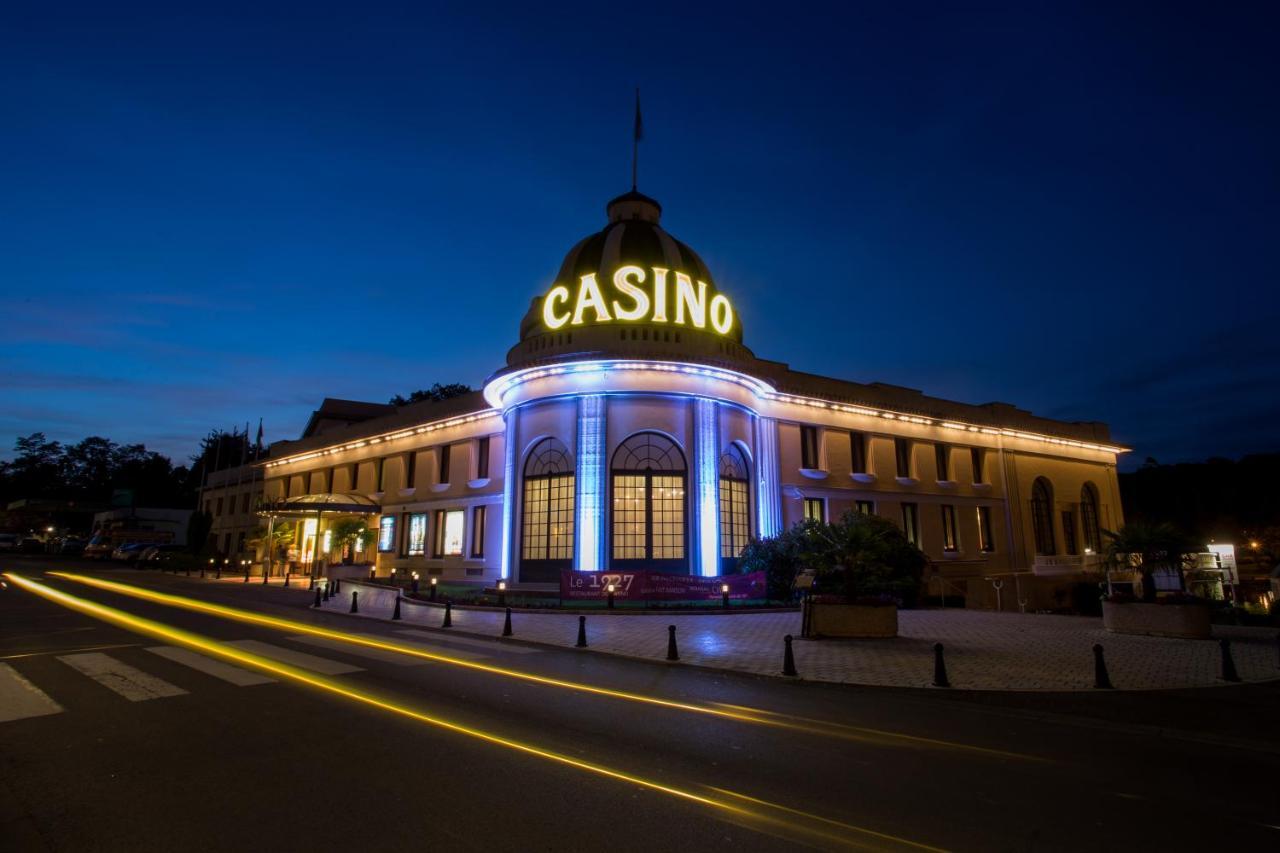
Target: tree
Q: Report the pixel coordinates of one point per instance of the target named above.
(436, 393)
(1148, 548)
(347, 531)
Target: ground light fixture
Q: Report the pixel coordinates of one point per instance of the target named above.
(741, 808)
(609, 588)
(502, 593)
(433, 589)
(724, 594)
(415, 582)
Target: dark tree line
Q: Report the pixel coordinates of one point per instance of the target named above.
(435, 393)
(1219, 499)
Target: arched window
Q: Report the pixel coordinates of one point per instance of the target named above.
(546, 543)
(648, 487)
(1042, 516)
(1089, 518)
(735, 513)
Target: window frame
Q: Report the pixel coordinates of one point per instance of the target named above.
(986, 538)
(482, 457)
(911, 522)
(554, 471)
(479, 516)
(442, 470)
(672, 454)
(421, 545)
(978, 460)
(734, 486)
(810, 452)
(942, 460)
(864, 507)
(442, 528)
(950, 532)
(1043, 538)
(387, 538)
(858, 453)
(902, 453)
(821, 504)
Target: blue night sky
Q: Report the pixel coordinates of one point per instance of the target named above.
(211, 217)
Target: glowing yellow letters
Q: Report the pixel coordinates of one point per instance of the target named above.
(631, 302)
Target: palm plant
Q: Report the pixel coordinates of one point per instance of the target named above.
(347, 531)
(1149, 547)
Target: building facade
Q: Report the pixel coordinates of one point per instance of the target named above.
(631, 427)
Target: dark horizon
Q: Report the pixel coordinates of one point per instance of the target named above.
(214, 219)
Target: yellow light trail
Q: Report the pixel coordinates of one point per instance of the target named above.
(737, 713)
(849, 835)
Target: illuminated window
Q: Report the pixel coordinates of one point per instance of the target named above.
(735, 513)
(547, 531)
(942, 454)
(417, 534)
(477, 531)
(1042, 517)
(1069, 532)
(649, 502)
(1089, 518)
(902, 456)
(911, 523)
(986, 542)
(387, 533)
(858, 452)
(449, 532)
(864, 507)
(382, 470)
(809, 447)
(815, 509)
(950, 541)
(976, 457)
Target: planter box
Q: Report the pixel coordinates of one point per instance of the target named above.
(1190, 621)
(849, 620)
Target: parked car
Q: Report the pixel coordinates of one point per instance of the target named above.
(71, 545)
(159, 553)
(99, 548)
(31, 545)
(129, 551)
(9, 541)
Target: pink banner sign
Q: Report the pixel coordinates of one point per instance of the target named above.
(641, 585)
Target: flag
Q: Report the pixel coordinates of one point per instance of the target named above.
(639, 133)
(258, 443)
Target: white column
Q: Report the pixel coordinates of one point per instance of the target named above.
(510, 443)
(768, 496)
(589, 497)
(706, 486)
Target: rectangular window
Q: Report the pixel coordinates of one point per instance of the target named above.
(986, 542)
(218, 511)
(629, 501)
(1069, 531)
(809, 447)
(858, 452)
(668, 517)
(477, 529)
(410, 468)
(976, 456)
(449, 532)
(902, 455)
(240, 542)
(355, 476)
(387, 534)
(208, 507)
(482, 458)
(864, 507)
(382, 469)
(815, 509)
(417, 534)
(950, 542)
(244, 504)
(548, 518)
(734, 517)
(444, 463)
(942, 453)
(911, 523)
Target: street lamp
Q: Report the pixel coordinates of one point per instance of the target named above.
(724, 594)
(609, 588)
(502, 593)
(415, 583)
(433, 589)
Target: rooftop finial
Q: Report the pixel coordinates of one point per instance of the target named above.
(636, 136)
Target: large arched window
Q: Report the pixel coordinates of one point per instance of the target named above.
(735, 512)
(1042, 516)
(546, 542)
(648, 487)
(1089, 519)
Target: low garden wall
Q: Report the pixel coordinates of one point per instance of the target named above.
(1189, 621)
(849, 620)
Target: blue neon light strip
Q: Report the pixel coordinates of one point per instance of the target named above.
(589, 500)
(706, 485)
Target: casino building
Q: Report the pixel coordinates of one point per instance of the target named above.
(631, 427)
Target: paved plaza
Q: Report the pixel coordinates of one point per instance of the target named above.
(984, 650)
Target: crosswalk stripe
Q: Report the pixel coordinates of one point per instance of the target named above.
(224, 671)
(378, 654)
(488, 645)
(133, 684)
(321, 665)
(20, 698)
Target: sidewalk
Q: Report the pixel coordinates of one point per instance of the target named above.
(984, 651)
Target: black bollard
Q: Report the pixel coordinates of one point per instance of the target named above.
(673, 653)
(265, 575)
(582, 633)
(217, 575)
(355, 608)
(336, 586)
(202, 570)
(415, 586)
(788, 659)
(286, 580)
(246, 574)
(724, 598)
(311, 583)
(939, 667)
(506, 626)
(1101, 680)
(395, 614)
(324, 591)
(317, 604)
(433, 589)
(1228, 665)
(448, 615)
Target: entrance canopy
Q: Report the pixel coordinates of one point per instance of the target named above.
(307, 506)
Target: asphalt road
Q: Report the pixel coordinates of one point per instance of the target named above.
(399, 752)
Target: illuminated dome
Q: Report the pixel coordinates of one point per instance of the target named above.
(632, 236)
